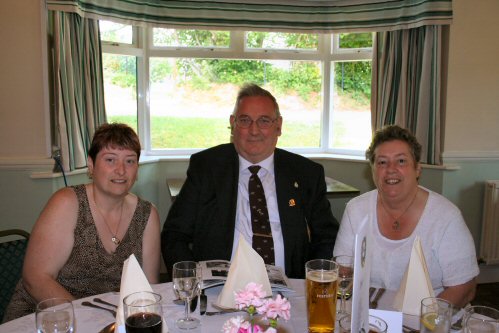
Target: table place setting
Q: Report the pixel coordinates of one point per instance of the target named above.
(246, 301)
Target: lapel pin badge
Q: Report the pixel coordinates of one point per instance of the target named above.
(296, 184)
(292, 202)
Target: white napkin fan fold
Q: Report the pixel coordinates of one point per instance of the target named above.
(133, 280)
(416, 283)
(247, 266)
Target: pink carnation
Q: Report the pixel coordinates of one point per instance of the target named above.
(252, 294)
(256, 329)
(273, 308)
(236, 325)
(271, 330)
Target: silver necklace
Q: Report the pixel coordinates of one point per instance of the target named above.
(114, 237)
(396, 222)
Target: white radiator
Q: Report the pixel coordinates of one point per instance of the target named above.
(489, 245)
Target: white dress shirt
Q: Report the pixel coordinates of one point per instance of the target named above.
(243, 213)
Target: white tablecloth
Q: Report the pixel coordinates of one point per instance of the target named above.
(89, 320)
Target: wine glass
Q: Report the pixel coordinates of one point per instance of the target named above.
(55, 315)
(143, 312)
(186, 285)
(345, 279)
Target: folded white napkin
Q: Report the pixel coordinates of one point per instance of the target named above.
(416, 283)
(133, 280)
(247, 266)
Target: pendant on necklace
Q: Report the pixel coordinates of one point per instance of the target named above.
(115, 240)
(396, 225)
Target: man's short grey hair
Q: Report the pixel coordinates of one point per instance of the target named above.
(251, 90)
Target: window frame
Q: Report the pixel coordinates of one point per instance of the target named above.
(327, 53)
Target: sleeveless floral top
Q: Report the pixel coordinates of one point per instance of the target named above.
(90, 269)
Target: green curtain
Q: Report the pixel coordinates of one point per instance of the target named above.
(271, 15)
(78, 85)
(408, 84)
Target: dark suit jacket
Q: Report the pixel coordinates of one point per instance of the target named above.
(200, 224)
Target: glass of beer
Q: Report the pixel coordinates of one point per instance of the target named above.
(436, 314)
(143, 312)
(322, 286)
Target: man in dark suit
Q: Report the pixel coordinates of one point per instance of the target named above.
(213, 208)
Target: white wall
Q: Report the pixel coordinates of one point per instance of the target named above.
(24, 117)
(472, 122)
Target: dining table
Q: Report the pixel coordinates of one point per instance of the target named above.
(92, 320)
(334, 188)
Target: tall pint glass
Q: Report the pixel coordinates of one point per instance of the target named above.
(322, 285)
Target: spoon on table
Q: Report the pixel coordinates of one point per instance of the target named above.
(203, 300)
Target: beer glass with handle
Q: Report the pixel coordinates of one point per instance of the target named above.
(322, 286)
(436, 314)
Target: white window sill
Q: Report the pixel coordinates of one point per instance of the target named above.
(179, 158)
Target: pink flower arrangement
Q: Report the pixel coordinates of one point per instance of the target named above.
(253, 300)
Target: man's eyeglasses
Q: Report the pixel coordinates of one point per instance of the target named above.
(262, 122)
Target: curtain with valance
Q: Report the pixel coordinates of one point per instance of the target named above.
(408, 42)
(271, 15)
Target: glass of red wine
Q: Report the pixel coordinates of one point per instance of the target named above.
(143, 312)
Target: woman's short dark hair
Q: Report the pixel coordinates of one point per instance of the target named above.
(114, 135)
(390, 133)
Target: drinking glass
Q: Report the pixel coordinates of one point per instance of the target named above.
(436, 314)
(376, 324)
(186, 285)
(345, 279)
(55, 315)
(143, 312)
(322, 286)
(481, 319)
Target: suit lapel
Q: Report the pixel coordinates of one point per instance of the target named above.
(226, 177)
(289, 200)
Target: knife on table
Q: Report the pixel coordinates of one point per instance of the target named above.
(203, 302)
(194, 304)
